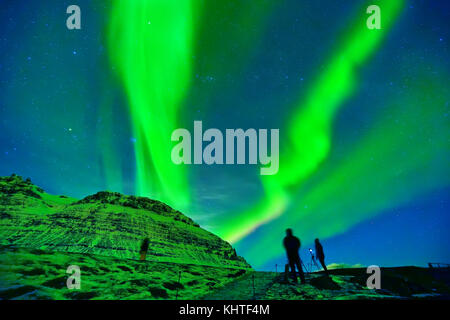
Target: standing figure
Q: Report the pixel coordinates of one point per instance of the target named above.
(144, 248)
(292, 245)
(320, 255)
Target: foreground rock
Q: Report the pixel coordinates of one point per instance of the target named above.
(344, 284)
(27, 274)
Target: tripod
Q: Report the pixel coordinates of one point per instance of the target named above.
(304, 267)
(313, 261)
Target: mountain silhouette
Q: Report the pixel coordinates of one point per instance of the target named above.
(106, 223)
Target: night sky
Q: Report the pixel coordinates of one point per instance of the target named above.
(363, 116)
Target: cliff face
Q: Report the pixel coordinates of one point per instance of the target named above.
(106, 223)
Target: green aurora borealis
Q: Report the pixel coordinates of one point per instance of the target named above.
(151, 42)
(363, 116)
(309, 129)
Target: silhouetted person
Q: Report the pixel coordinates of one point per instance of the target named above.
(320, 255)
(144, 248)
(292, 245)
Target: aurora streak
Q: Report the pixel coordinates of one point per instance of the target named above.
(150, 42)
(310, 125)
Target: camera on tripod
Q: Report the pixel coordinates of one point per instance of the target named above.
(313, 261)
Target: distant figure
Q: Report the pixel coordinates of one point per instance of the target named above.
(292, 245)
(320, 255)
(144, 248)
